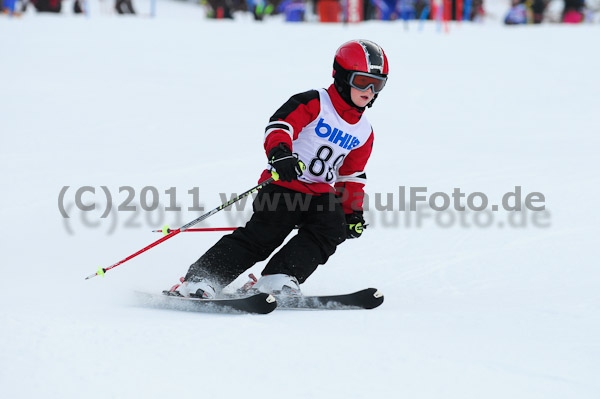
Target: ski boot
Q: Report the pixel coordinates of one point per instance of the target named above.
(278, 284)
(202, 289)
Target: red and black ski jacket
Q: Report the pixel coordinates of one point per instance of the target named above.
(300, 110)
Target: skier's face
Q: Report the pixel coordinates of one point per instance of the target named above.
(361, 98)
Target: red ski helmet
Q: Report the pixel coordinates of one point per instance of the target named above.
(362, 56)
(358, 56)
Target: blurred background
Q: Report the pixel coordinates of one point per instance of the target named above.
(509, 12)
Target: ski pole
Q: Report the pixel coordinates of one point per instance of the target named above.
(274, 177)
(166, 230)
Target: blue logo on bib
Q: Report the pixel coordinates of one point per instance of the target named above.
(336, 136)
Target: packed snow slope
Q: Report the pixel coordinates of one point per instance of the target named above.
(489, 305)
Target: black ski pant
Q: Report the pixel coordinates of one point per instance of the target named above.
(277, 210)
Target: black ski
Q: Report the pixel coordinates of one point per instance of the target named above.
(258, 303)
(365, 299)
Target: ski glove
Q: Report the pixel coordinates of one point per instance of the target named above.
(285, 163)
(356, 224)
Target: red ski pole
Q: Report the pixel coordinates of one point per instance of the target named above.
(101, 271)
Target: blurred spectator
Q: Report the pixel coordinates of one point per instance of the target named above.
(293, 10)
(517, 15)
(219, 9)
(124, 7)
(421, 6)
(385, 9)
(260, 8)
(47, 5)
(477, 12)
(10, 7)
(224, 8)
(538, 7)
(526, 11)
(573, 12)
(473, 7)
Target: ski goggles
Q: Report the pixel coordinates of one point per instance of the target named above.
(362, 81)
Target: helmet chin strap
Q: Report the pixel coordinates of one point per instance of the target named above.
(370, 104)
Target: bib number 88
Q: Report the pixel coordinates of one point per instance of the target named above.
(320, 165)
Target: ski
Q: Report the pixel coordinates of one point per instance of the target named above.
(365, 299)
(258, 303)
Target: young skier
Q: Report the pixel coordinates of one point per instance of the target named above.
(318, 143)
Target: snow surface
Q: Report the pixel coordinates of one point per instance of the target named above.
(181, 101)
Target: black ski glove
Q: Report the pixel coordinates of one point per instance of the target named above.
(356, 224)
(285, 163)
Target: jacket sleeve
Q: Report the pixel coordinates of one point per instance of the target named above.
(352, 178)
(287, 122)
